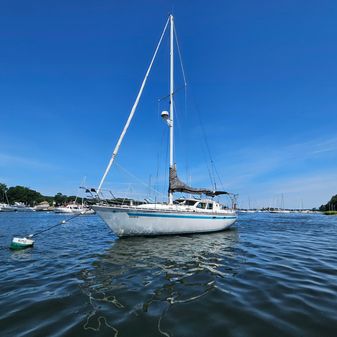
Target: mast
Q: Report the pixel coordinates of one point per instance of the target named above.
(171, 100)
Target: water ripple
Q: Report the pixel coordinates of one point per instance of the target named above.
(271, 275)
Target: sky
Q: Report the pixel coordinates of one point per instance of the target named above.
(260, 101)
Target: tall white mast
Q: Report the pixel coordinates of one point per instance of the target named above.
(171, 100)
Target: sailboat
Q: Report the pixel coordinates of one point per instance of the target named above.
(180, 216)
(74, 207)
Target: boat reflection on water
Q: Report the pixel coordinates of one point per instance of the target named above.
(138, 279)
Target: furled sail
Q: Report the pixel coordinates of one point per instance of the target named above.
(176, 185)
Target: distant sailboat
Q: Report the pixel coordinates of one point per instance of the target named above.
(6, 208)
(74, 207)
(180, 216)
(21, 207)
(17, 207)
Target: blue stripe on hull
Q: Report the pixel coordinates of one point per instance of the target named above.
(181, 216)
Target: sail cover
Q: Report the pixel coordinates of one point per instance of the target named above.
(176, 185)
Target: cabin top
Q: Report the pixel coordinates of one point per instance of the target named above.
(206, 204)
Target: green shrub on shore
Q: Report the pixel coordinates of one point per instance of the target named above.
(330, 212)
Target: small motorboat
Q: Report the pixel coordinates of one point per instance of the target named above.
(74, 209)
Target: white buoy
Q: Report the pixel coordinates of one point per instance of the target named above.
(21, 243)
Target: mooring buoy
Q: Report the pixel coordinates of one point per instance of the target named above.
(21, 243)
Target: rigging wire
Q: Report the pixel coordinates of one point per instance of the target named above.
(180, 58)
(135, 177)
(212, 171)
(206, 146)
(186, 143)
(219, 176)
(174, 92)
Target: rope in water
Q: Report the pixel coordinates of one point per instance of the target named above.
(59, 223)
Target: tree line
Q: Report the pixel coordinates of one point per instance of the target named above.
(330, 206)
(31, 197)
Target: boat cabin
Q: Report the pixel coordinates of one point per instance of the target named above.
(200, 204)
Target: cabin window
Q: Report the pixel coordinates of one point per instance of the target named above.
(190, 202)
(201, 205)
(209, 206)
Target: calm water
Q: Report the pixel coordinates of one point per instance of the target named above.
(271, 275)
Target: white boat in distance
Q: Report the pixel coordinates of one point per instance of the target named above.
(6, 208)
(182, 216)
(74, 209)
(17, 207)
(21, 207)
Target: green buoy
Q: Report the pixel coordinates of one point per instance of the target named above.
(21, 243)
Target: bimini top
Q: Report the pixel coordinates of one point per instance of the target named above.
(176, 185)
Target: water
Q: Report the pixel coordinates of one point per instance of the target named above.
(271, 275)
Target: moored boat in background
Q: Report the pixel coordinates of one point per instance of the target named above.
(6, 208)
(21, 207)
(74, 209)
(17, 207)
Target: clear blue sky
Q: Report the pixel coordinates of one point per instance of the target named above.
(261, 74)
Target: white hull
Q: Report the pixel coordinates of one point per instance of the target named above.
(130, 221)
(24, 209)
(16, 209)
(64, 210)
(7, 209)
